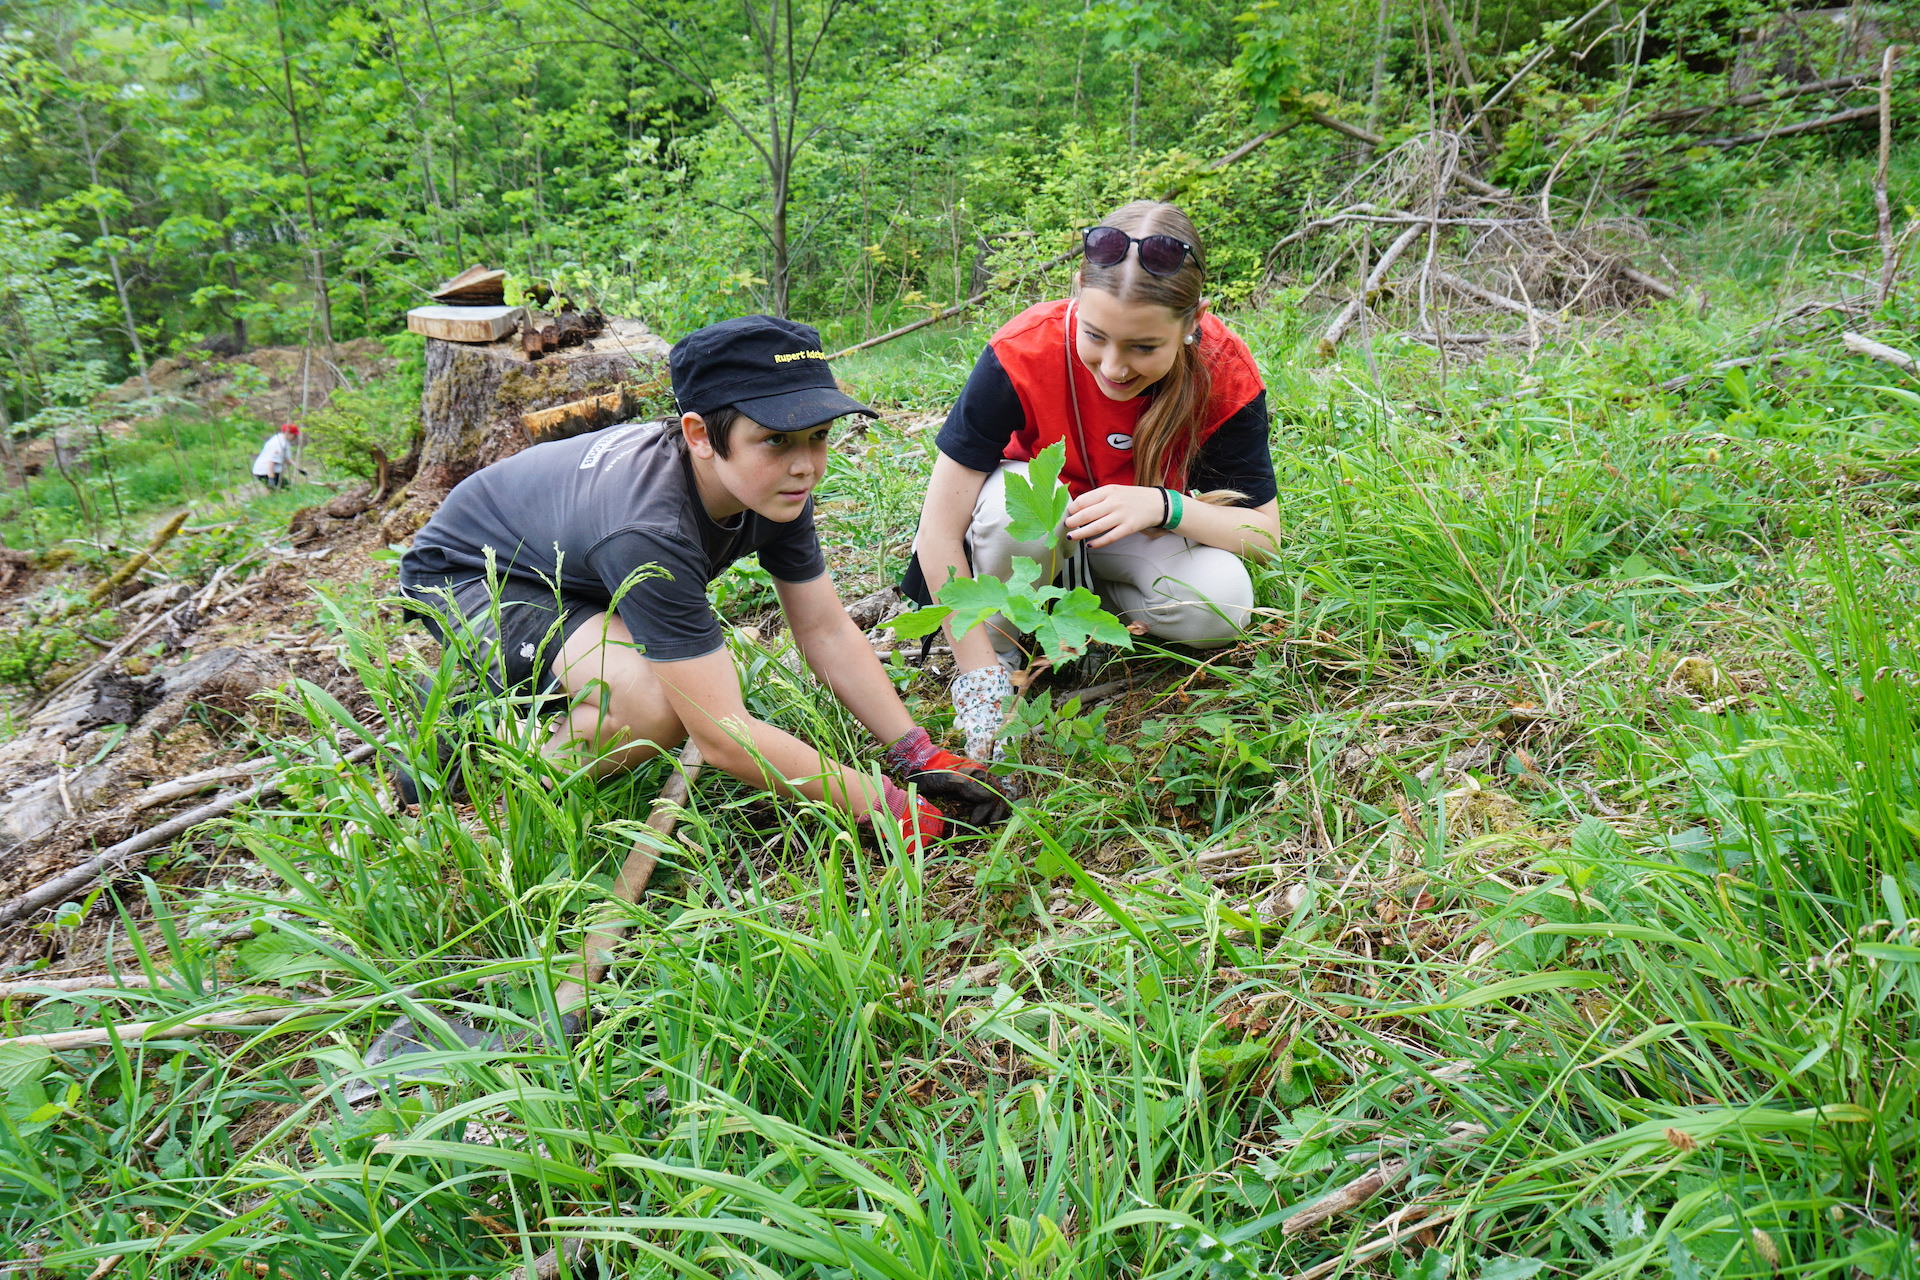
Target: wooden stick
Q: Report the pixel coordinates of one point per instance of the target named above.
(1790, 130)
(1889, 252)
(635, 872)
(118, 857)
(88, 982)
(1651, 284)
(94, 1037)
(166, 792)
(1356, 1193)
(1393, 1225)
(1461, 285)
(1375, 278)
(547, 1265)
(1881, 351)
(1764, 97)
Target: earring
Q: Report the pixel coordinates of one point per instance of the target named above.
(1191, 337)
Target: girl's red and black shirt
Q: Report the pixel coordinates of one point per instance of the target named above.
(1017, 401)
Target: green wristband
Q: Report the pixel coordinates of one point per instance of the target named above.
(1173, 521)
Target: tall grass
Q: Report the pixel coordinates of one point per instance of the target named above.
(1575, 761)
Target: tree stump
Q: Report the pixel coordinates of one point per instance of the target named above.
(476, 393)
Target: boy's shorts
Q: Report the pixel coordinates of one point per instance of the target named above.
(515, 646)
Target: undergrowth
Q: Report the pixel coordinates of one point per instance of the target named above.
(1547, 847)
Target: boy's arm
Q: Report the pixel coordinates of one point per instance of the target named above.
(843, 660)
(840, 655)
(705, 695)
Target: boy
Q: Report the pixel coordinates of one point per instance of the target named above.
(604, 545)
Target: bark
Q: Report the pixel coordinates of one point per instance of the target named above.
(113, 259)
(322, 304)
(476, 393)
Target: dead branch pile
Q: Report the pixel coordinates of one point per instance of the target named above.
(1414, 244)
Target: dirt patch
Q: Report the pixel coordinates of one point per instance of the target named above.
(272, 383)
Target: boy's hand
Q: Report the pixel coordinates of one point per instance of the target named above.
(919, 821)
(967, 784)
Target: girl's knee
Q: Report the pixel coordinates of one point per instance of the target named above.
(1208, 613)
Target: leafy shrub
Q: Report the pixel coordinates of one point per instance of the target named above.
(384, 415)
(29, 652)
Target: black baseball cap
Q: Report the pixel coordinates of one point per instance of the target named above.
(771, 370)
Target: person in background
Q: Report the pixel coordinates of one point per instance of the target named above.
(1164, 417)
(273, 466)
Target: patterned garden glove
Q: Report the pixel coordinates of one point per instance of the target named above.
(980, 797)
(981, 700)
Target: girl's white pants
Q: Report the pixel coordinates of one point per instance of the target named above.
(1184, 591)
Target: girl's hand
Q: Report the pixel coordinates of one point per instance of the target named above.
(1112, 512)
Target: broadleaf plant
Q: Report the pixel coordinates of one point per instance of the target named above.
(1062, 621)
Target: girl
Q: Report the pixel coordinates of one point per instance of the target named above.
(1165, 422)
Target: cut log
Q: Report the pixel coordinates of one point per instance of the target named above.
(463, 324)
(578, 417)
(475, 286)
(476, 396)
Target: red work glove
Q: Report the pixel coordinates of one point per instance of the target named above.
(919, 821)
(967, 784)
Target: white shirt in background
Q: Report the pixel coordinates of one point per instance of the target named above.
(275, 457)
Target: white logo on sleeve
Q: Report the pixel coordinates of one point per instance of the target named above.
(1119, 441)
(607, 441)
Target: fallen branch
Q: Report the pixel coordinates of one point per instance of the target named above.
(95, 1037)
(1375, 279)
(1883, 215)
(1470, 289)
(1651, 284)
(135, 565)
(1348, 1198)
(1881, 351)
(119, 857)
(1793, 130)
(1763, 97)
(167, 792)
(547, 1265)
(1397, 1228)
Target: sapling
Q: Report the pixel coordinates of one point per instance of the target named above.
(1063, 621)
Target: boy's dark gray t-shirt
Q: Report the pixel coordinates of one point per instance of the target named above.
(586, 513)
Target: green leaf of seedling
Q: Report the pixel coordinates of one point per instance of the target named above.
(1038, 502)
(921, 622)
(1077, 618)
(973, 600)
(1889, 951)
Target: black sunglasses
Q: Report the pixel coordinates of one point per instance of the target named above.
(1160, 255)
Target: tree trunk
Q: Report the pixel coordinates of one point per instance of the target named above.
(476, 393)
(15, 477)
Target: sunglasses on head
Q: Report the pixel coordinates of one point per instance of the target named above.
(1160, 255)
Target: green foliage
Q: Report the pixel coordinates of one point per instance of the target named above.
(1061, 621)
(383, 415)
(30, 650)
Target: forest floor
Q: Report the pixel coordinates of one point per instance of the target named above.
(1531, 890)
